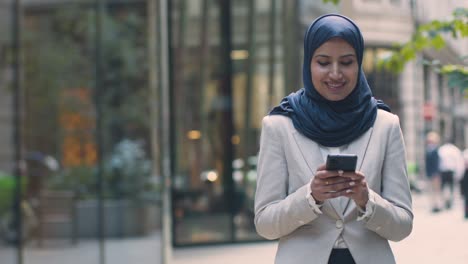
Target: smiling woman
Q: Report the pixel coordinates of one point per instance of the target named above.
(349, 215)
(334, 69)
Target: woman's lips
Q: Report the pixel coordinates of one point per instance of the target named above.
(335, 86)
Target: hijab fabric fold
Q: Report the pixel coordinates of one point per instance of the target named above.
(331, 123)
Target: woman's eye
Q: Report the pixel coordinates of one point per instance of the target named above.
(322, 63)
(347, 63)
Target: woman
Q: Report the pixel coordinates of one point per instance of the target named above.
(325, 216)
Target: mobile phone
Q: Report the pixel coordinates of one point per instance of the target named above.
(344, 162)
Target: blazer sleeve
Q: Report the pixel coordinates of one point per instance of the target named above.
(393, 217)
(277, 213)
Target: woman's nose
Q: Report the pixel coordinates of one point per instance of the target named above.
(335, 71)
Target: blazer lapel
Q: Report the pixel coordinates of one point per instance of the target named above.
(313, 158)
(358, 147)
(310, 152)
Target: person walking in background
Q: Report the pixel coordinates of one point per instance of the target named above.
(332, 216)
(432, 162)
(464, 183)
(452, 167)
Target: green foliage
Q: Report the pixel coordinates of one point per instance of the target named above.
(457, 75)
(128, 170)
(430, 35)
(7, 191)
(81, 179)
(126, 175)
(335, 2)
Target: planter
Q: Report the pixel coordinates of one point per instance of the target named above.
(122, 218)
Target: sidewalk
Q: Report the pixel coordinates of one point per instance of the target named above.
(436, 238)
(139, 250)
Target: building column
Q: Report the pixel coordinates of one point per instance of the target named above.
(411, 89)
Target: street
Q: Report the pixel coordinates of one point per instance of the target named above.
(436, 238)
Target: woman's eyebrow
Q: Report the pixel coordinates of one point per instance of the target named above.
(348, 55)
(327, 56)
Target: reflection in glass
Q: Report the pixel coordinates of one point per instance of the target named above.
(383, 83)
(8, 182)
(212, 193)
(60, 147)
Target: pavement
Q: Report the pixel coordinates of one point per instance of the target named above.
(138, 250)
(436, 238)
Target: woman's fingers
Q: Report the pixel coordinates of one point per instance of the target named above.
(330, 184)
(331, 187)
(331, 195)
(355, 175)
(337, 181)
(341, 185)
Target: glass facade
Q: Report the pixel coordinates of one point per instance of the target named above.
(384, 84)
(227, 71)
(89, 184)
(214, 167)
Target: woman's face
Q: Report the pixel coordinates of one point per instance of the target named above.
(334, 69)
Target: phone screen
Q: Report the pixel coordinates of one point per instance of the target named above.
(344, 162)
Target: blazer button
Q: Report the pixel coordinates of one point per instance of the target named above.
(339, 224)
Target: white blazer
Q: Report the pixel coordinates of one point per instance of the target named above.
(287, 162)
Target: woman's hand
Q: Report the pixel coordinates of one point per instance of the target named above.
(330, 184)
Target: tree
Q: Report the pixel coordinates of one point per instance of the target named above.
(431, 35)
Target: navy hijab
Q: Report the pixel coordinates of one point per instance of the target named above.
(331, 123)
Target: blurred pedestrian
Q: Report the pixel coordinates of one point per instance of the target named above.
(432, 162)
(452, 167)
(464, 183)
(332, 216)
